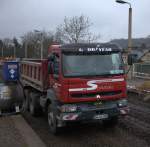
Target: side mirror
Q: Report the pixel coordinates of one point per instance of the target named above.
(51, 58)
(56, 68)
(132, 58)
(50, 68)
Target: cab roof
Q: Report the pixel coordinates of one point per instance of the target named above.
(90, 48)
(86, 48)
(90, 45)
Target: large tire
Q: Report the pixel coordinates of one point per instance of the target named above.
(34, 105)
(112, 122)
(25, 106)
(52, 120)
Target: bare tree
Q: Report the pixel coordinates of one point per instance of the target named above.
(75, 30)
(8, 47)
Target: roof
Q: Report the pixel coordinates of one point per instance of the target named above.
(90, 48)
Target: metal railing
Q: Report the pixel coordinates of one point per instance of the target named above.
(141, 70)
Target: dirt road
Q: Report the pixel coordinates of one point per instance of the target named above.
(15, 132)
(133, 131)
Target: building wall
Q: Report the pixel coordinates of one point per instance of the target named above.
(146, 58)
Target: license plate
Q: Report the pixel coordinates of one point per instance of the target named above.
(101, 116)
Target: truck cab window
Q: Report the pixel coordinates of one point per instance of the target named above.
(56, 66)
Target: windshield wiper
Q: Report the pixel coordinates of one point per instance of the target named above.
(103, 74)
(94, 75)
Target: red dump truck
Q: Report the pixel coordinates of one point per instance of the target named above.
(76, 83)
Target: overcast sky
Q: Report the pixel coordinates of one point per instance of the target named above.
(109, 18)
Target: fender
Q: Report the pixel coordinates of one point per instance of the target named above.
(51, 95)
(49, 98)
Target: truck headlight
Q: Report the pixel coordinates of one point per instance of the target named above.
(68, 108)
(122, 103)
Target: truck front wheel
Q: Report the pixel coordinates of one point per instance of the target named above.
(52, 120)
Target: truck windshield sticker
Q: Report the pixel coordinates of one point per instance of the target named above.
(93, 84)
(116, 71)
(13, 66)
(115, 63)
(97, 49)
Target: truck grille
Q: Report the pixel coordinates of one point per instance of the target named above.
(88, 95)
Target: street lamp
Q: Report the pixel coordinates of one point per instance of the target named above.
(129, 24)
(37, 31)
(26, 45)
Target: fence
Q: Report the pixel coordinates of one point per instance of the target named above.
(141, 70)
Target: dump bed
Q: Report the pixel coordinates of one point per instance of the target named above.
(34, 73)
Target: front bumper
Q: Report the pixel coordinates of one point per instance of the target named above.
(94, 113)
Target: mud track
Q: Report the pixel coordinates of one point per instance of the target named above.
(138, 120)
(132, 130)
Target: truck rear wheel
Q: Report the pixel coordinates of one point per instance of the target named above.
(52, 120)
(26, 100)
(34, 105)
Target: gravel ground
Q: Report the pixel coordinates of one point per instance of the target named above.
(138, 120)
(15, 132)
(131, 131)
(93, 134)
(9, 134)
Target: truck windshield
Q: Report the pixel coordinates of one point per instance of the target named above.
(92, 65)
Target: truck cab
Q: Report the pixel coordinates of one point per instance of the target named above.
(87, 82)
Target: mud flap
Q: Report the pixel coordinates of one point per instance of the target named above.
(17, 109)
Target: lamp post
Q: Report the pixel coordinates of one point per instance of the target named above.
(25, 40)
(37, 31)
(129, 24)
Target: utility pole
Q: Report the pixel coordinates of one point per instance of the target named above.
(25, 42)
(42, 40)
(130, 31)
(129, 24)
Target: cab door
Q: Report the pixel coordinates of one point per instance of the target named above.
(56, 75)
